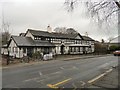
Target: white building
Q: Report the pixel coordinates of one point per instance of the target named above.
(49, 42)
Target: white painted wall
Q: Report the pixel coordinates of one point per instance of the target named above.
(28, 34)
(12, 51)
(57, 49)
(4, 51)
(11, 48)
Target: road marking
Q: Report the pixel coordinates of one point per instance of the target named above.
(61, 68)
(40, 81)
(83, 83)
(57, 72)
(55, 85)
(98, 77)
(30, 79)
(40, 73)
(75, 87)
(109, 70)
(74, 67)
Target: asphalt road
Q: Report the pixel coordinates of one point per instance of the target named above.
(67, 74)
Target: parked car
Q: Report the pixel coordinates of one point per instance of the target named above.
(116, 53)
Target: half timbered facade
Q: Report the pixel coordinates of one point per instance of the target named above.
(49, 42)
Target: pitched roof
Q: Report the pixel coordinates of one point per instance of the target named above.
(22, 34)
(28, 41)
(53, 34)
(88, 38)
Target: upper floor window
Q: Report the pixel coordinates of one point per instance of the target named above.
(42, 38)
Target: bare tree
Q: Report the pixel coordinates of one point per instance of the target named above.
(103, 12)
(60, 29)
(108, 7)
(5, 28)
(100, 10)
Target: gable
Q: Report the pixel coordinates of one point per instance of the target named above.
(12, 43)
(78, 37)
(29, 34)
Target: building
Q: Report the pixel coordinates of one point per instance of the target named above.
(49, 42)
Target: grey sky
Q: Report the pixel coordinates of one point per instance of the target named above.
(37, 14)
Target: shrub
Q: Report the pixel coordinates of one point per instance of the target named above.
(37, 55)
(114, 47)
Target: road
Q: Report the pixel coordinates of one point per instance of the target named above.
(67, 74)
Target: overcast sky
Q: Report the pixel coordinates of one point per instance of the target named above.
(37, 14)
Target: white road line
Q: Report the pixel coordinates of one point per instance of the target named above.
(75, 87)
(30, 79)
(98, 77)
(61, 68)
(56, 72)
(83, 83)
(40, 73)
(74, 67)
(40, 80)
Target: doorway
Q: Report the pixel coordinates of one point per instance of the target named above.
(62, 49)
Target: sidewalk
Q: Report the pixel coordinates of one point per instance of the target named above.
(58, 58)
(109, 81)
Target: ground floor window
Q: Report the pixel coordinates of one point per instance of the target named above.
(70, 49)
(16, 50)
(78, 49)
(24, 50)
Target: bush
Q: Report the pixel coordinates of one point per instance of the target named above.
(36, 55)
(114, 47)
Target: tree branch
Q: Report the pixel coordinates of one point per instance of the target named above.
(117, 3)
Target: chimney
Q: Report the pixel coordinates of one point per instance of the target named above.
(49, 29)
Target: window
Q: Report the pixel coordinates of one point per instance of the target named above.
(12, 49)
(16, 50)
(74, 49)
(24, 50)
(78, 49)
(70, 49)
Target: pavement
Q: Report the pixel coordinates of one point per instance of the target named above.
(58, 58)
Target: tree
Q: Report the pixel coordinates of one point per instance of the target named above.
(103, 12)
(108, 6)
(5, 28)
(65, 30)
(100, 48)
(102, 41)
(5, 37)
(60, 29)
